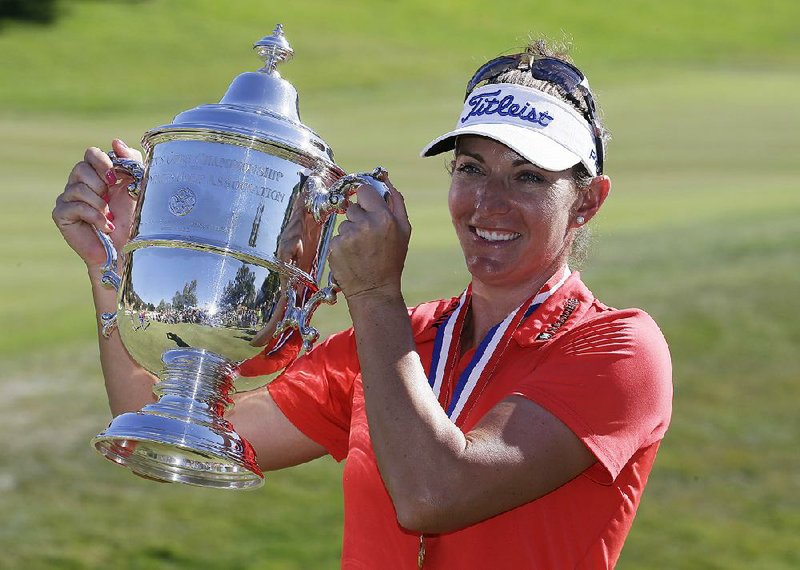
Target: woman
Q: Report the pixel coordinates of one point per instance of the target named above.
(511, 427)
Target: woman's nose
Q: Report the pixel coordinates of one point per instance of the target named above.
(491, 197)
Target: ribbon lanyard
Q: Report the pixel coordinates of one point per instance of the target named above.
(482, 364)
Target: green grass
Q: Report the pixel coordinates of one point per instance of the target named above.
(701, 230)
(158, 55)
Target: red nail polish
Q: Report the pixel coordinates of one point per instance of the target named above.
(110, 216)
(111, 226)
(122, 143)
(111, 176)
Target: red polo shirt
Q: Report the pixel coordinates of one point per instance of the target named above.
(603, 372)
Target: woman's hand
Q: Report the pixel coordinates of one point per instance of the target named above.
(368, 254)
(96, 197)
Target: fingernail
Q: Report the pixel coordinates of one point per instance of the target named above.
(106, 197)
(111, 226)
(110, 216)
(122, 143)
(111, 176)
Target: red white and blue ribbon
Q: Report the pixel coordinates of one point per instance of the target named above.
(483, 362)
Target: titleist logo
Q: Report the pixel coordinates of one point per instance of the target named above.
(491, 104)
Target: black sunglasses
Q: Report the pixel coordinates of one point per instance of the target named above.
(555, 71)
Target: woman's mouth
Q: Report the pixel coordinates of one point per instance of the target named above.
(494, 235)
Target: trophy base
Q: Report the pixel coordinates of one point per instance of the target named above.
(183, 437)
(173, 451)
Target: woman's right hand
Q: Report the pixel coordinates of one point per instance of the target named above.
(96, 196)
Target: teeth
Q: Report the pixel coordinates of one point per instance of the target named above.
(496, 236)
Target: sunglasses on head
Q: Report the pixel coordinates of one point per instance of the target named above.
(555, 71)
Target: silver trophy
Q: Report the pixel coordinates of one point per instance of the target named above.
(225, 266)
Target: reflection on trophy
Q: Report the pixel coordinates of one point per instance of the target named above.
(236, 207)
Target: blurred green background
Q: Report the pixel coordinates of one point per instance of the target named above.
(701, 230)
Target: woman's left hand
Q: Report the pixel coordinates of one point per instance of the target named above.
(368, 254)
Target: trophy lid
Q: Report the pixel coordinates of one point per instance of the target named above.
(258, 105)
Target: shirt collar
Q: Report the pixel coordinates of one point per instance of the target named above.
(552, 319)
(557, 315)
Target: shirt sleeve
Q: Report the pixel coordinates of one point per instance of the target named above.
(316, 392)
(610, 381)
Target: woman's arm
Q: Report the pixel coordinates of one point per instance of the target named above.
(128, 385)
(93, 198)
(439, 478)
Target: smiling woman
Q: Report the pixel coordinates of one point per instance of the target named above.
(565, 80)
(515, 221)
(511, 426)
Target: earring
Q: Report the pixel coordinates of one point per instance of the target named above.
(580, 220)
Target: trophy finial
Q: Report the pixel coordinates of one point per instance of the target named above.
(273, 50)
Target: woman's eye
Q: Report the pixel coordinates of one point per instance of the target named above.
(468, 168)
(531, 177)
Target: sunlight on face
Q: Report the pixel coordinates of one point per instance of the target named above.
(511, 217)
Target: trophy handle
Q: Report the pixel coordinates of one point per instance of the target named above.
(132, 168)
(110, 279)
(300, 317)
(323, 202)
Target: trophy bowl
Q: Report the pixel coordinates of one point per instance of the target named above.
(236, 207)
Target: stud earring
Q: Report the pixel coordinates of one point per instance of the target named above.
(580, 220)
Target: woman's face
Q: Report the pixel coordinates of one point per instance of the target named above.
(513, 219)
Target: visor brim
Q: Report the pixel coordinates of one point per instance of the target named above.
(532, 146)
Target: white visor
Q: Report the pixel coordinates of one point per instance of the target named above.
(539, 127)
